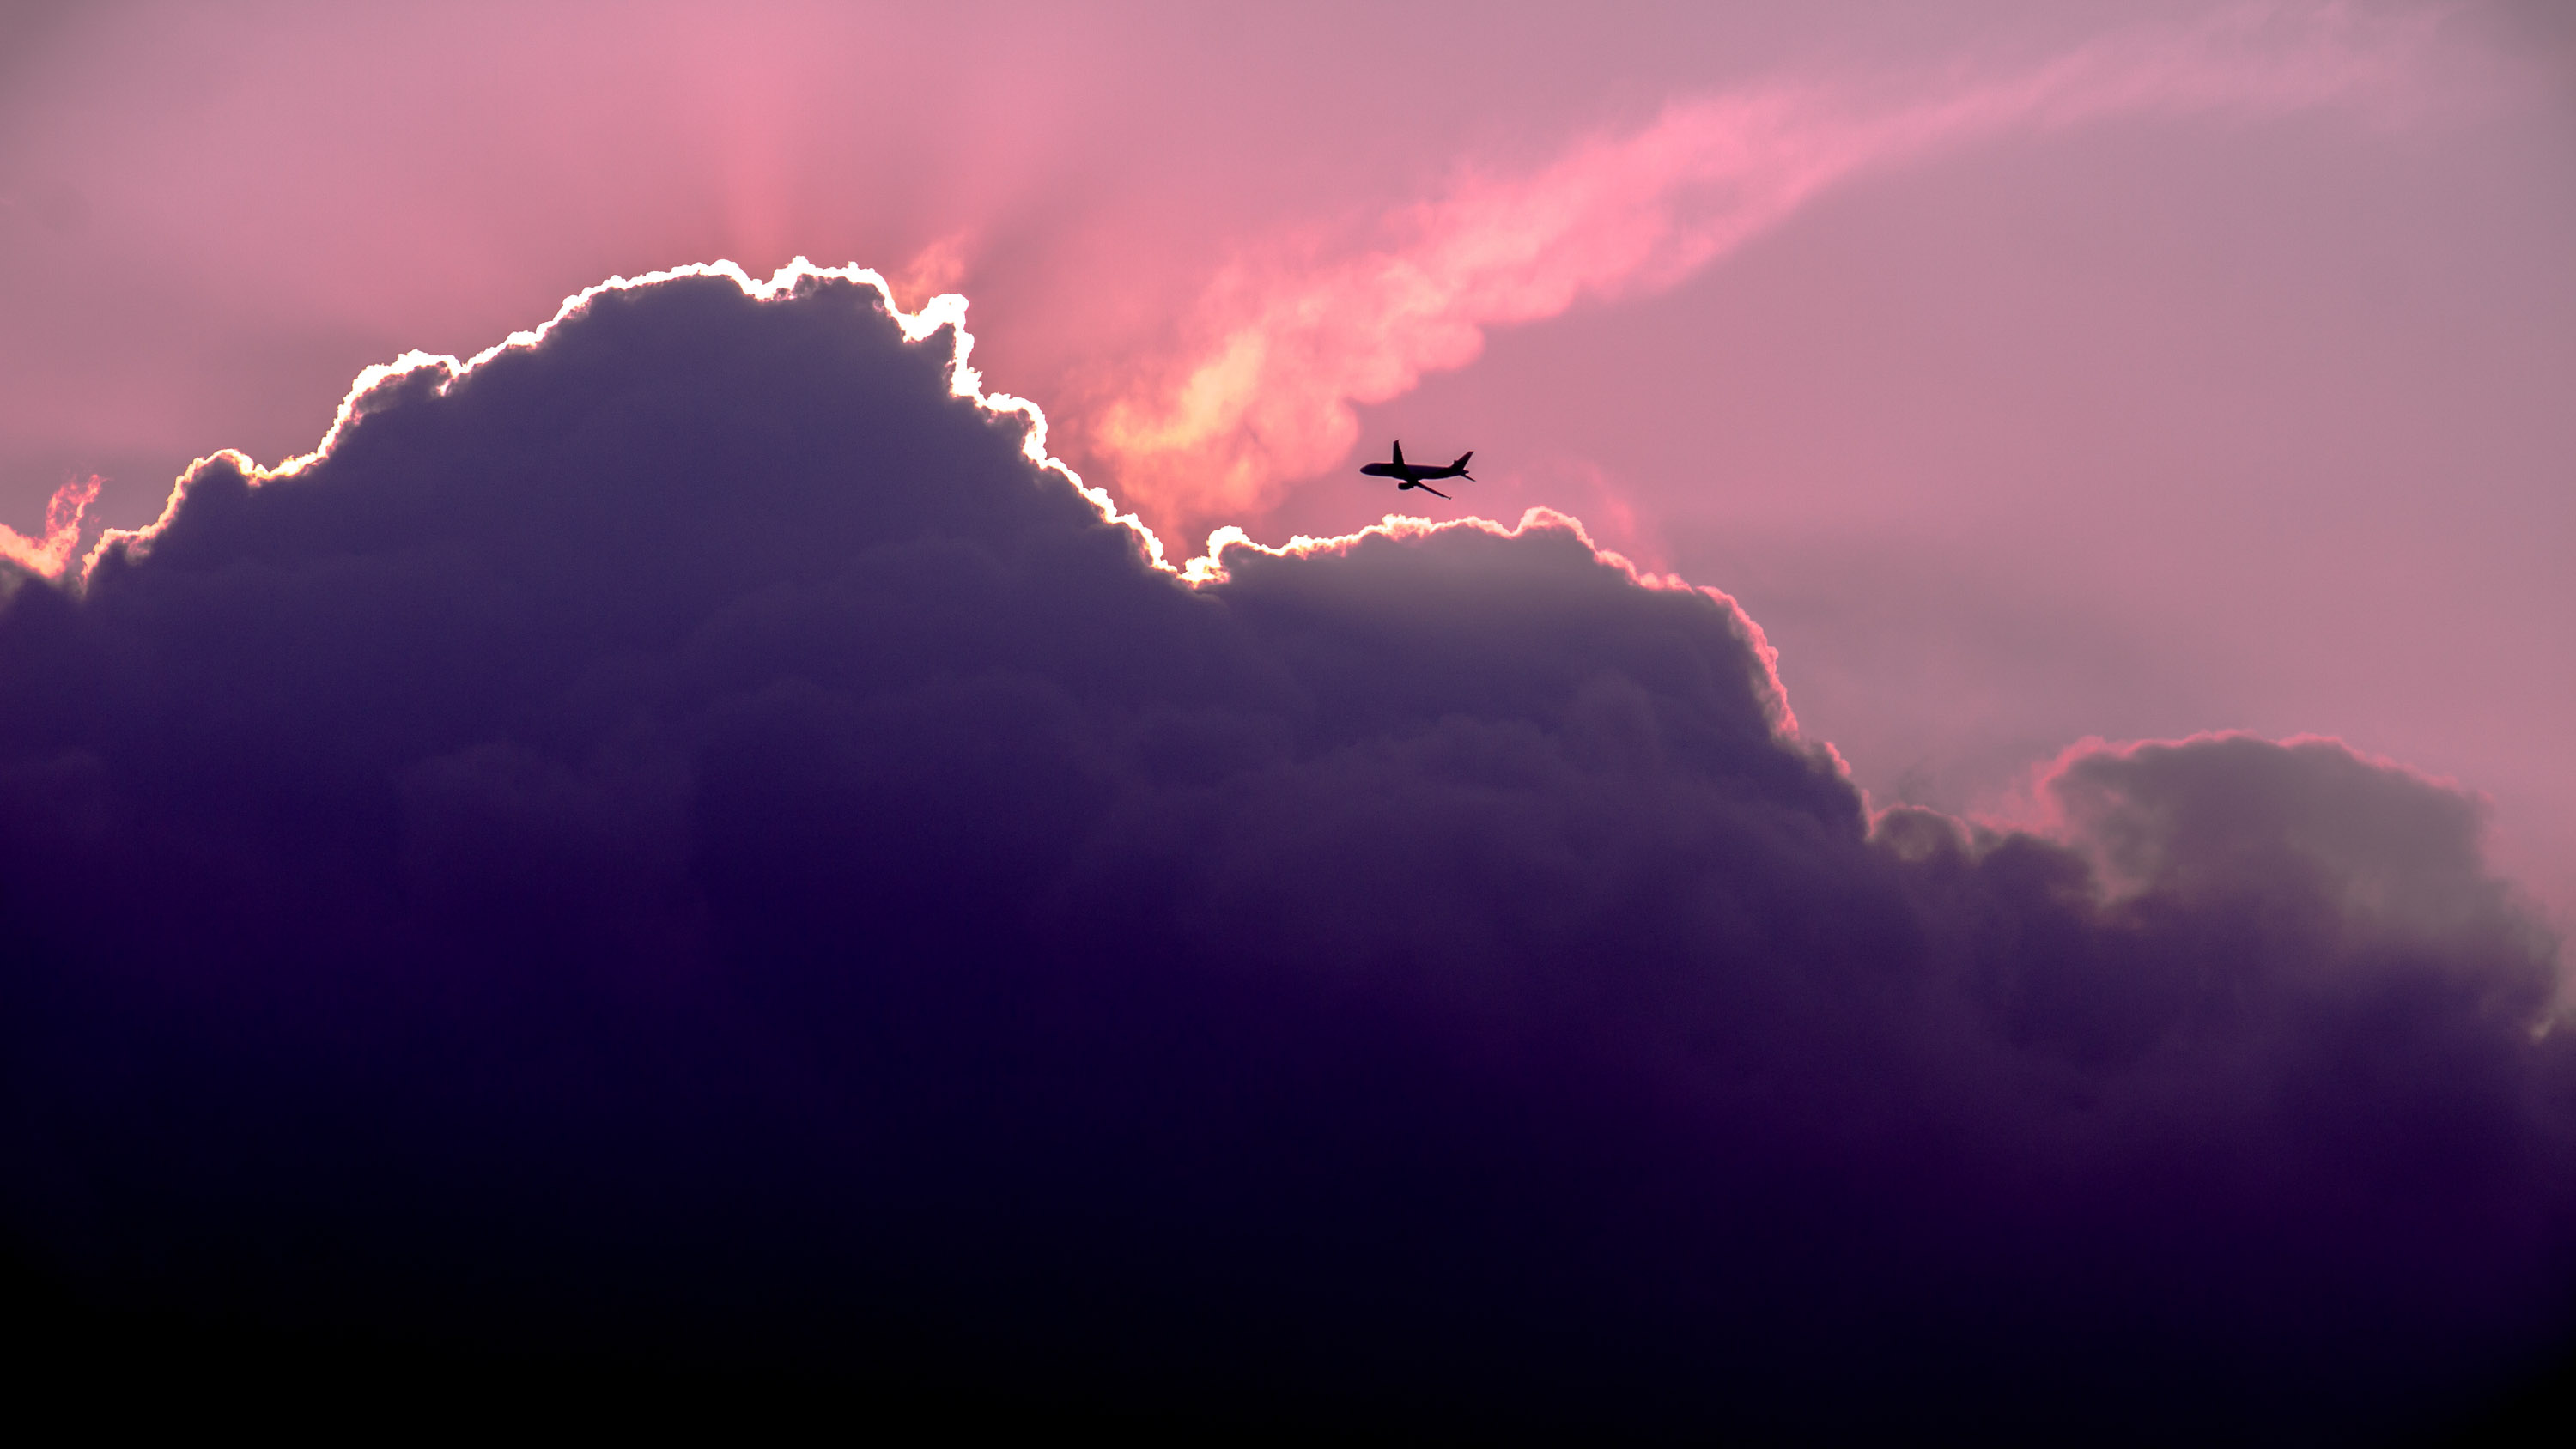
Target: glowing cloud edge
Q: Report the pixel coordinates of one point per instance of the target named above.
(947, 310)
(2027, 809)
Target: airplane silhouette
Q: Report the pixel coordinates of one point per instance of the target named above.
(1413, 474)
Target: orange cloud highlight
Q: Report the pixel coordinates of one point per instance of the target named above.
(51, 553)
(1291, 339)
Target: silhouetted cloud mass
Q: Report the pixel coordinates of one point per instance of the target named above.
(687, 841)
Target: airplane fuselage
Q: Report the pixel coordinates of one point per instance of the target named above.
(1412, 475)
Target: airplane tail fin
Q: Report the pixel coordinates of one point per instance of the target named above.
(1461, 465)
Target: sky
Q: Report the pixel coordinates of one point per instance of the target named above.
(1921, 406)
(2032, 372)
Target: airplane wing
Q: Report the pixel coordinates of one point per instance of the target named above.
(1427, 488)
(1399, 452)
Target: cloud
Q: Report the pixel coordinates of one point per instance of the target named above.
(48, 554)
(1291, 338)
(683, 834)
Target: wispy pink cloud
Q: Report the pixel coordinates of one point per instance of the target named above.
(1291, 337)
(51, 552)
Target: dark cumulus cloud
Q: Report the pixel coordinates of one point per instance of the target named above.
(684, 843)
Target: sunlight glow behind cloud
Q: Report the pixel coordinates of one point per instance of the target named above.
(48, 553)
(1294, 337)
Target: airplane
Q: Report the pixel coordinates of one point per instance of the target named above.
(1413, 474)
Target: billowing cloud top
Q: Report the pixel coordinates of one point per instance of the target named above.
(686, 832)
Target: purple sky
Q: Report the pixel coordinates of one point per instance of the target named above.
(2033, 376)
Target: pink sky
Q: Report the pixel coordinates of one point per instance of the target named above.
(2030, 372)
